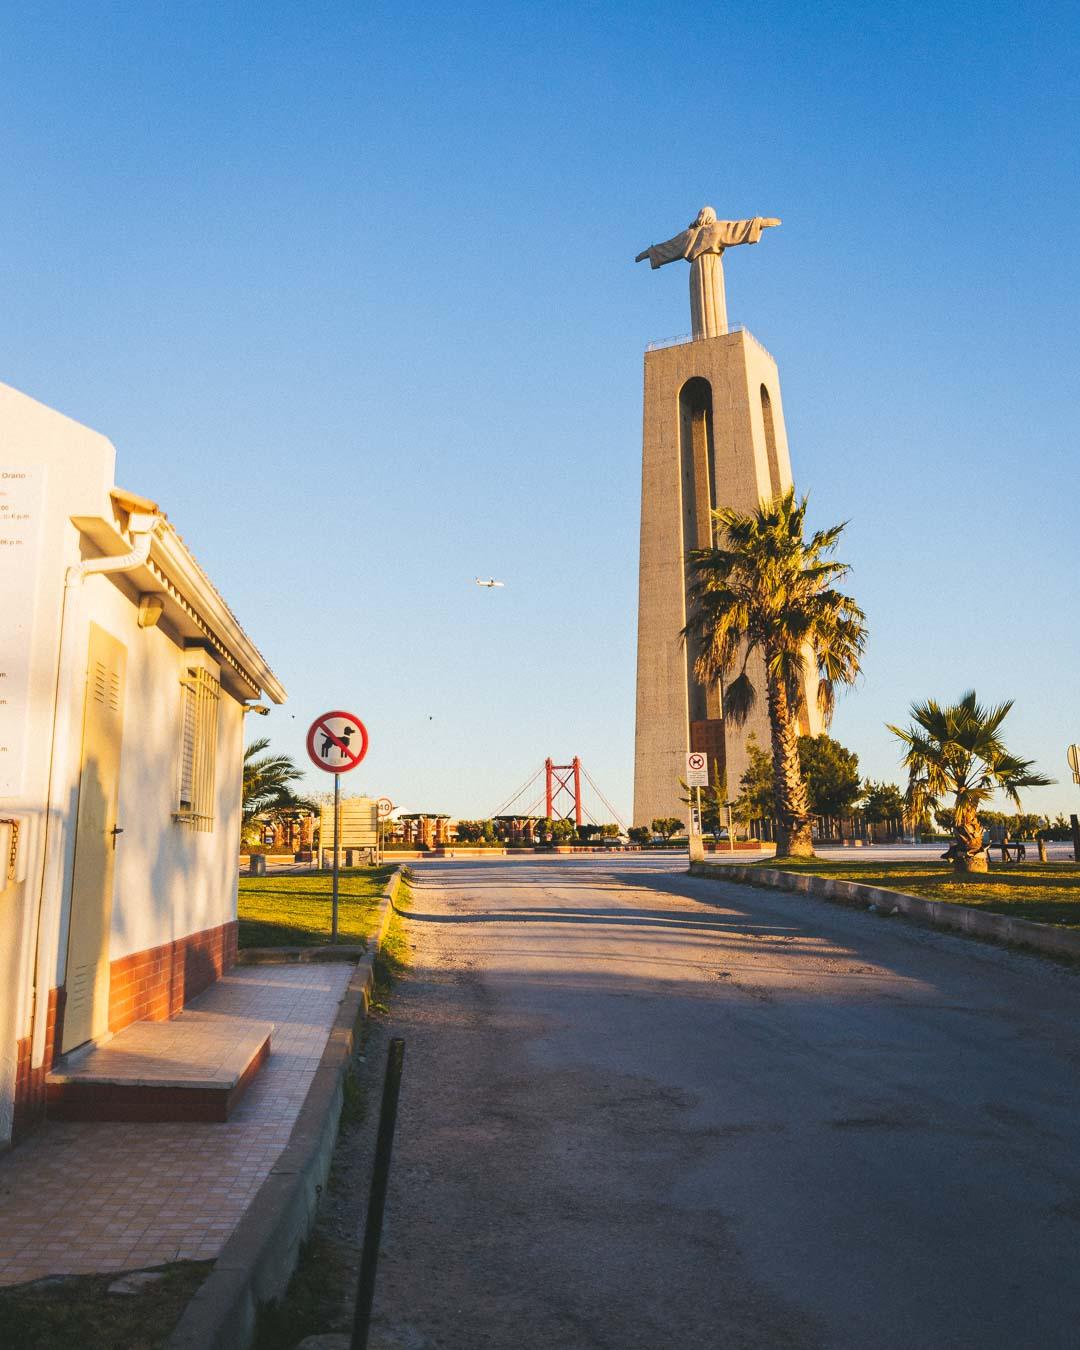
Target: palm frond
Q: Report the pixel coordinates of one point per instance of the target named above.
(957, 749)
(740, 699)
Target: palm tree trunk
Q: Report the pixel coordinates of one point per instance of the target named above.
(968, 852)
(793, 836)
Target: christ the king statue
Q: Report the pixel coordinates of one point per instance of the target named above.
(702, 243)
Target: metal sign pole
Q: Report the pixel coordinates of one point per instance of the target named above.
(696, 771)
(330, 736)
(337, 827)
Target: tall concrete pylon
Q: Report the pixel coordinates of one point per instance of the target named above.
(713, 436)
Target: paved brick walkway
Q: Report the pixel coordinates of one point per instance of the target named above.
(83, 1198)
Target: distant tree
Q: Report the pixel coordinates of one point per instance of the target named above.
(1018, 825)
(945, 817)
(832, 777)
(639, 834)
(667, 827)
(958, 749)
(831, 774)
(757, 795)
(469, 831)
(610, 831)
(563, 831)
(714, 804)
(544, 827)
(587, 832)
(883, 802)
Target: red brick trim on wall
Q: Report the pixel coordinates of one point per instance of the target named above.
(152, 985)
(155, 984)
(29, 1082)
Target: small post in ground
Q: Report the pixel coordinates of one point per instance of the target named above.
(384, 1145)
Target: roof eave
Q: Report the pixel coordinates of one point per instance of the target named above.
(172, 567)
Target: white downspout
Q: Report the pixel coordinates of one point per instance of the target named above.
(66, 738)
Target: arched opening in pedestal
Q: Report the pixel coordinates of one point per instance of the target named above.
(705, 731)
(770, 442)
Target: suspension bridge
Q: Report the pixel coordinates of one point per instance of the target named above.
(560, 790)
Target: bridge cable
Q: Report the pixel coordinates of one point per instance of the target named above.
(589, 780)
(511, 800)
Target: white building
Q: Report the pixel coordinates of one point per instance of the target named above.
(123, 682)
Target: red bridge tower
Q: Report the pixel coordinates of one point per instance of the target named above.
(563, 780)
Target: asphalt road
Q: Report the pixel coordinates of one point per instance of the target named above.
(646, 1110)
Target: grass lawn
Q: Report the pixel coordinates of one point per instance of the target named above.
(294, 911)
(1045, 892)
(78, 1310)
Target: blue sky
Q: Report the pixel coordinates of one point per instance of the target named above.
(351, 289)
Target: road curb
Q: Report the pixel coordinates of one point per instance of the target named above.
(258, 1260)
(1040, 937)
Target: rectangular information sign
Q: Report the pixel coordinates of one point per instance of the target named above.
(359, 829)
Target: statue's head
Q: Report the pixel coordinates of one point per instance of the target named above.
(706, 216)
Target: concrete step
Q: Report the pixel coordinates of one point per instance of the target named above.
(195, 1067)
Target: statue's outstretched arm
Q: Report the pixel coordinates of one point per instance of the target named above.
(766, 221)
(642, 256)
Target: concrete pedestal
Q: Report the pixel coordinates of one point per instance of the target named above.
(713, 436)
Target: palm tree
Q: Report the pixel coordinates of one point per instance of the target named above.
(267, 784)
(768, 589)
(958, 749)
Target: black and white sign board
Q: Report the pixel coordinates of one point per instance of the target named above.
(697, 769)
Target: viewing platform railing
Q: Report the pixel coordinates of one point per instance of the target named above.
(684, 338)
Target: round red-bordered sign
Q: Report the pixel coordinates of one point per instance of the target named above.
(331, 745)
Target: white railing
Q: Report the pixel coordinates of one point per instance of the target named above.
(661, 343)
(684, 338)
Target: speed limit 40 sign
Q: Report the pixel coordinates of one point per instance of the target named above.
(697, 769)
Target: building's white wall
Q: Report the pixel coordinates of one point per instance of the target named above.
(170, 880)
(78, 465)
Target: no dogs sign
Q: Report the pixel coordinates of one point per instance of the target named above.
(697, 770)
(337, 742)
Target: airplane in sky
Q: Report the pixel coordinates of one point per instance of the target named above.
(489, 583)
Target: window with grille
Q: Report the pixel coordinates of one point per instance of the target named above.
(199, 693)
